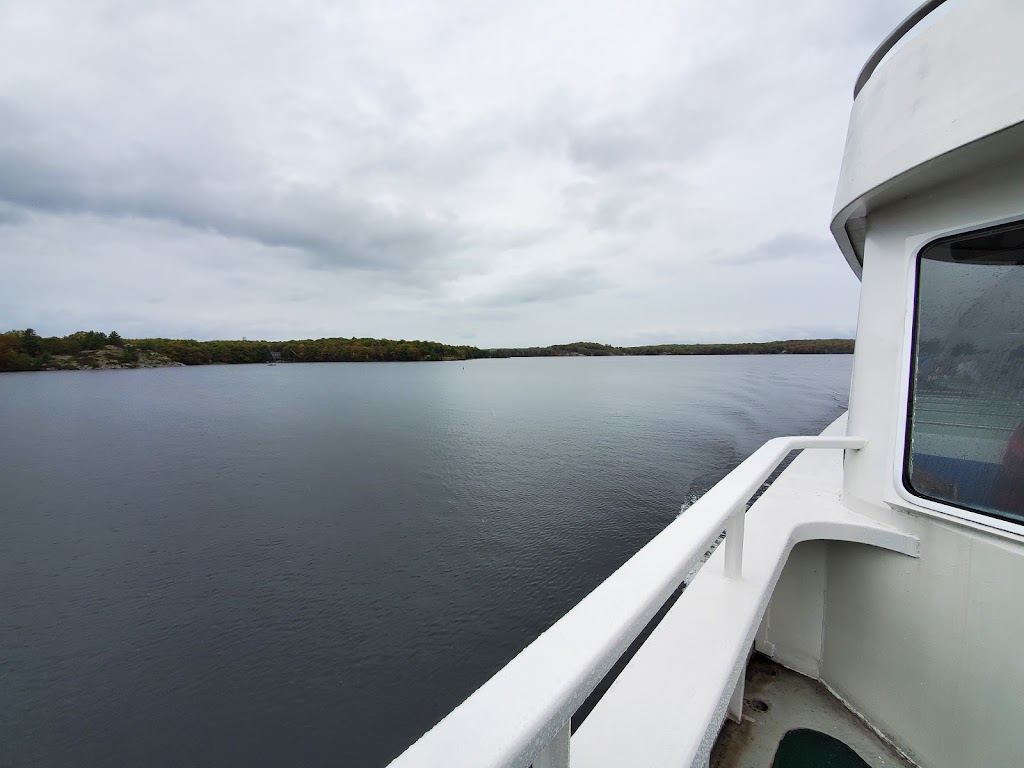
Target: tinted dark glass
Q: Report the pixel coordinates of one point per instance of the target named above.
(965, 437)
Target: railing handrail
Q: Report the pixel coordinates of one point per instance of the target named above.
(509, 721)
(890, 42)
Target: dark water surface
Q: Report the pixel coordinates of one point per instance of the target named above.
(309, 565)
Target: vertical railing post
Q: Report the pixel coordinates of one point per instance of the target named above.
(556, 753)
(734, 541)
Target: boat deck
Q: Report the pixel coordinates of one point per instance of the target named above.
(778, 700)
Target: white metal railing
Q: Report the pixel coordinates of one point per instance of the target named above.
(521, 716)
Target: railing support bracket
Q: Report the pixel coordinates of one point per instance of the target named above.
(556, 753)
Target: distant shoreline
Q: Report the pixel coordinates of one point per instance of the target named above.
(89, 350)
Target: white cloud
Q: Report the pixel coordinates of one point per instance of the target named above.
(513, 174)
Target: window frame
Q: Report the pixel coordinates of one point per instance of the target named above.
(906, 496)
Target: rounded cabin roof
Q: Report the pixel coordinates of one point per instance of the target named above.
(947, 101)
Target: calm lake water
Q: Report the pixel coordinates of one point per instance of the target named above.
(309, 565)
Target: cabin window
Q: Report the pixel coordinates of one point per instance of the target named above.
(965, 430)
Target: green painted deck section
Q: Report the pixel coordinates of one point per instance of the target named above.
(804, 748)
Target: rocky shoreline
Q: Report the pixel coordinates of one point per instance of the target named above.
(111, 357)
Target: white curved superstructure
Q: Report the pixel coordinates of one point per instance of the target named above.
(937, 108)
(886, 564)
(928, 650)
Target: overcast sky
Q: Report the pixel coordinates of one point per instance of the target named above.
(510, 173)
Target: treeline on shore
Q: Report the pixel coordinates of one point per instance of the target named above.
(593, 349)
(28, 351)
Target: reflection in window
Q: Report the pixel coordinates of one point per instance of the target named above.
(965, 441)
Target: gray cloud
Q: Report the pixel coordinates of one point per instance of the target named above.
(785, 246)
(228, 195)
(693, 112)
(545, 287)
(10, 215)
(614, 146)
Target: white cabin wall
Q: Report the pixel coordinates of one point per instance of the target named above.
(894, 235)
(928, 649)
(874, 394)
(791, 631)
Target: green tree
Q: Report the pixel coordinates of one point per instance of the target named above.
(115, 339)
(31, 344)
